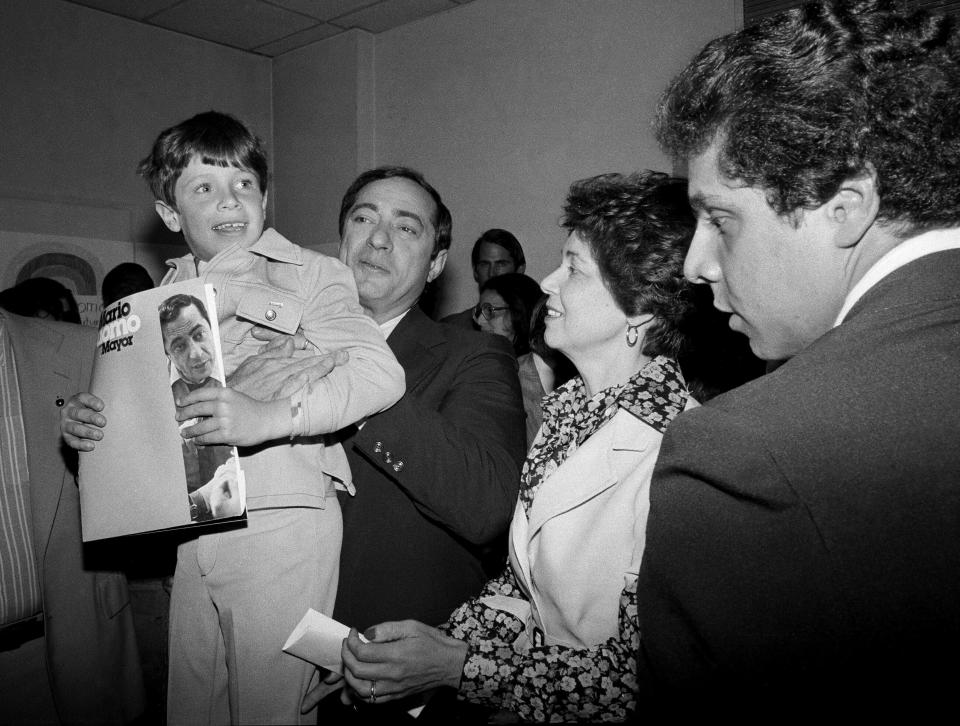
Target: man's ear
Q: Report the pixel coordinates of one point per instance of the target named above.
(853, 209)
(522, 268)
(169, 215)
(437, 264)
(263, 203)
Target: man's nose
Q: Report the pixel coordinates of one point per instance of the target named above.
(196, 351)
(701, 265)
(379, 238)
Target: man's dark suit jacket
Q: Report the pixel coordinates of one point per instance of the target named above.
(804, 531)
(463, 319)
(436, 477)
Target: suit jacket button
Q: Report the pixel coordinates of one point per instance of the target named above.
(270, 315)
(386, 457)
(398, 467)
(378, 447)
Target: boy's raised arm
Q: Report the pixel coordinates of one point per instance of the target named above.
(371, 380)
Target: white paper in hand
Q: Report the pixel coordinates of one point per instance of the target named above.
(317, 639)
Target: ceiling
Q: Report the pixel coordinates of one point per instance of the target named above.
(271, 27)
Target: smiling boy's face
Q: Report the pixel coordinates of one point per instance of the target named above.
(217, 206)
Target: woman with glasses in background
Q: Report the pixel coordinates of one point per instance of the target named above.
(506, 308)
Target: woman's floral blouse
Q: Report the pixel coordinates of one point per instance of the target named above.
(555, 682)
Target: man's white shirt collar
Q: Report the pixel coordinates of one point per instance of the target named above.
(928, 243)
(387, 327)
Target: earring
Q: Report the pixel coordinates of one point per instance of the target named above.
(633, 334)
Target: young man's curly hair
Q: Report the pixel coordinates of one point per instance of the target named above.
(805, 99)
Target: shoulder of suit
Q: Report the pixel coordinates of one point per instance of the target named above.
(474, 340)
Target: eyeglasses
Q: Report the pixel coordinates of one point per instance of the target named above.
(488, 311)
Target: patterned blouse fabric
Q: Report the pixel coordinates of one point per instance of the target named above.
(555, 682)
(654, 395)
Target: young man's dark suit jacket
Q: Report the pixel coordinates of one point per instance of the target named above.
(92, 660)
(436, 477)
(804, 530)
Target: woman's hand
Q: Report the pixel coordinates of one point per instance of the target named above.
(402, 658)
(81, 422)
(229, 417)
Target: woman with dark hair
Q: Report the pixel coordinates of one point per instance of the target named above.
(506, 308)
(555, 636)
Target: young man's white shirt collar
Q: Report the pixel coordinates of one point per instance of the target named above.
(928, 243)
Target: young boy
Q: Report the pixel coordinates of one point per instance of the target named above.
(238, 593)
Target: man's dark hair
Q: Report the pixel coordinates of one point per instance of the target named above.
(504, 239)
(215, 138)
(442, 221)
(638, 228)
(170, 308)
(808, 98)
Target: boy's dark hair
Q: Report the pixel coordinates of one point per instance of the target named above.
(442, 222)
(502, 238)
(216, 138)
(639, 228)
(169, 309)
(807, 98)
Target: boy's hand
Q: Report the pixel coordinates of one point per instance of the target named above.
(81, 421)
(232, 418)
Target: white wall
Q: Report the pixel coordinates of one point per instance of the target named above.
(323, 107)
(84, 95)
(500, 103)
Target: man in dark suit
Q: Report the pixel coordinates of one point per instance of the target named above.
(436, 475)
(802, 547)
(76, 661)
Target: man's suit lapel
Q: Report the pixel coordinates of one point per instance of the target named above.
(413, 342)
